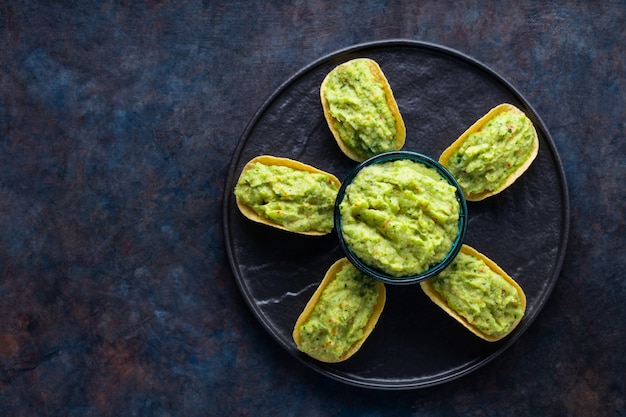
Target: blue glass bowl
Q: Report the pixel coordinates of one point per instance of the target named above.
(433, 269)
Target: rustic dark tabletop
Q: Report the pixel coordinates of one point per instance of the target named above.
(118, 121)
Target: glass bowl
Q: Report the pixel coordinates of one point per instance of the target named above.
(429, 269)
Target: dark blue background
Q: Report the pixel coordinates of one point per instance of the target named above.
(118, 121)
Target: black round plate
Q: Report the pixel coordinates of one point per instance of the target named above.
(440, 93)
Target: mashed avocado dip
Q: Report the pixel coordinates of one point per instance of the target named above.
(400, 217)
(357, 100)
(339, 318)
(298, 200)
(484, 298)
(486, 158)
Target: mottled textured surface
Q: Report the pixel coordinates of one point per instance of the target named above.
(117, 124)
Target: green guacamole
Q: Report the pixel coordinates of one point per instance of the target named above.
(489, 156)
(339, 318)
(358, 101)
(300, 201)
(484, 298)
(400, 217)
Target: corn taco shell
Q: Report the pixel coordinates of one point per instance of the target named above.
(489, 314)
(365, 106)
(329, 335)
(474, 165)
(269, 160)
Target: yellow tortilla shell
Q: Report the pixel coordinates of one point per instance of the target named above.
(501, 108)
(391, 102)
(308, 309)
(428, 288)
(273, 160)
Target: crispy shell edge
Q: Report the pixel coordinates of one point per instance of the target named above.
(428, 288)
(273, 160)
(501, 108)
(391, 102)
(308, 309)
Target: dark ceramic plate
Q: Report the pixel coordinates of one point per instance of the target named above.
(524, 229)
